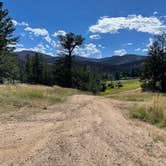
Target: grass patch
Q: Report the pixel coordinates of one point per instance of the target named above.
(14, 97)
(135, 95)
(154, 112)
(127, 85)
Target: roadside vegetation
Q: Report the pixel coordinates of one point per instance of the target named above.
(15, 97)
(145, 106)
(153, 112)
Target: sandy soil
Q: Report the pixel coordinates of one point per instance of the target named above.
(84, 131)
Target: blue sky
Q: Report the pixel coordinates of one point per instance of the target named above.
(110, 27)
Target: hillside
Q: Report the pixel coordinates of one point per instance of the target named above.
(111, 64)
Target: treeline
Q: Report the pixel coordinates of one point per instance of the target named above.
(35, 69)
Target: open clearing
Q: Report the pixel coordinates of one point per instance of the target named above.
(85, 130)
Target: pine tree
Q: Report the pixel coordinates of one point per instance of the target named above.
(28, 69)
(68, 42)
(11, 68)
(47, 74)
(154, 73)
(37, 68)
(7, 42)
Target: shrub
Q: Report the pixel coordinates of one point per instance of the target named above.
(119, 84)
(103, 87)
(111, 85)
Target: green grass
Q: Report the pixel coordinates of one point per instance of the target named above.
(146, 106)
(127, 85)
(135, 96)
(14, 97)
(154, 112)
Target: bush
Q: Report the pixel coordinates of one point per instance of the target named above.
(103, 87)
(119, 84)
(111, 85)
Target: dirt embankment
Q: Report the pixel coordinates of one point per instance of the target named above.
(84, 131)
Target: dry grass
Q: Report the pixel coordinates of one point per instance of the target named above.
(146, 106)
(153, 112)
(133, 95)
(14, 97)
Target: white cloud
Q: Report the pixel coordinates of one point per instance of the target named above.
(139, 23)
(60, 32)
(120, 52)
(19, 23)
(137, 49)
(155, 13)
(48, 39)
(89, 50)
(95, 37)
(19, 45)
(150, 42)
(101, 46)
(37, 31)
(145, 50)
(47, 46)
(128, 44)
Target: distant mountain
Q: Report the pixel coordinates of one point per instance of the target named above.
(120, 60)
(110, 64)
(113, 60)
(22, 55)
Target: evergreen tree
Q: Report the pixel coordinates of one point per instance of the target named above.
(28, 69)
(47, 73)
(21, 70)
(154, 73)
(68, 42)
(7, 43)
(37, 68)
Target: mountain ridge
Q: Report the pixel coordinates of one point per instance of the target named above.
(112, 60)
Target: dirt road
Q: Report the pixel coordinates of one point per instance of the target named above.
(84, 131)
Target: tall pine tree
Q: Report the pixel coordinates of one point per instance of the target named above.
(37, 68)
(68, 43)
(7, 44)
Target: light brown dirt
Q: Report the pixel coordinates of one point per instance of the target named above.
(84, 131)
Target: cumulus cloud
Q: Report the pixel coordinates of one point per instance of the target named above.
(19, 45)
(95, 37)
(37, 31)
(48, 39)
(120, 52)
(60, 32)
(151, 25)
(16, 23)
(89, 50)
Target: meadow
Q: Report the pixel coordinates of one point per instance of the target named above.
(127, 85)
(146, 106)
(15, 97)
